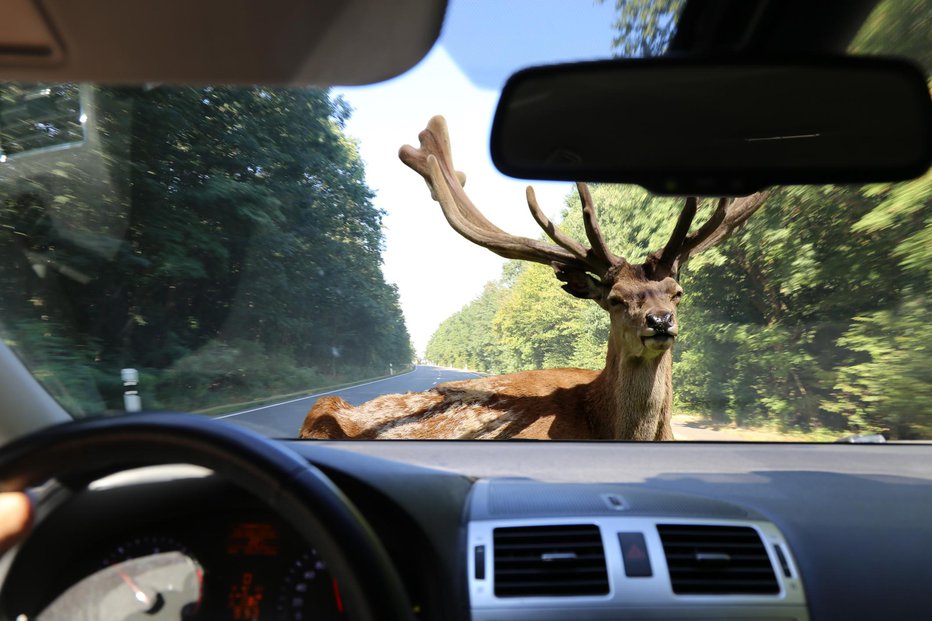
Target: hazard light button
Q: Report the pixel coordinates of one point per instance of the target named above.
(634, 553)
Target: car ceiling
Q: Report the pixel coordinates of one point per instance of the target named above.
(344, 42)
(320, 42)
(768, 27)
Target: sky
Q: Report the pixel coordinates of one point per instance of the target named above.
(437, 271)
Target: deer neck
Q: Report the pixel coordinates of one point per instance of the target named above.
(632, 399)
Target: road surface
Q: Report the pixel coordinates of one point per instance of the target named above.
(283, 420)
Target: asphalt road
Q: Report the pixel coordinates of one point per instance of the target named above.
(283, 420)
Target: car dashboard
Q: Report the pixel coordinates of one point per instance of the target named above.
(527, 531)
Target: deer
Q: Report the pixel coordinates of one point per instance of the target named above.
(631, 398)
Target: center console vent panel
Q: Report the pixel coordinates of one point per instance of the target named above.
(558, 560)
(615, 552)
(717, 560)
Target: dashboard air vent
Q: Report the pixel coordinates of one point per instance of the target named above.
(717, 560)
(549, 561)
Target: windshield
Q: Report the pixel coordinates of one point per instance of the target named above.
(240, 252)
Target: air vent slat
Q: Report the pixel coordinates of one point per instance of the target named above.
(715, 581)
(590, 560)
(690, 531)
(717, 560)
(527, 534)
(534, 584)
(568, 572)
(536, 545)
(549, 561)
(531, 563)
(722, 545)
(735, 558)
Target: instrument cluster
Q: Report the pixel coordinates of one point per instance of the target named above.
(205, 552)
(250, 567)
(246, 568)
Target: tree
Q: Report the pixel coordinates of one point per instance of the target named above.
(466, 339)
(897, 27)
(645, 27)
(234, 222)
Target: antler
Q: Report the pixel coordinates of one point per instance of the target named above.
(434, 161)
(570, 259)
(728, 216)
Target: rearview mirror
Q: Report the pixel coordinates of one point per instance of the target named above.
(680, 126)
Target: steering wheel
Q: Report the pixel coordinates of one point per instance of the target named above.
(297, 491)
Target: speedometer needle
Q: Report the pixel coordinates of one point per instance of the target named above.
(151, 604)
(140, 594)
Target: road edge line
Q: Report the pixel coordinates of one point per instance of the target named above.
(319, 394)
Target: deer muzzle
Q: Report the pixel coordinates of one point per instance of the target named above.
(661, 323)
(661, 330)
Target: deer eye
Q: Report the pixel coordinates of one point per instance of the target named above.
(676, 296)
(616, 302)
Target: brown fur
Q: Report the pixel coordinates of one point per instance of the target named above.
(631, 399)
(552, 404)
(532, 404)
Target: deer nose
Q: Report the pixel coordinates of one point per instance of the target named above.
(660, 322)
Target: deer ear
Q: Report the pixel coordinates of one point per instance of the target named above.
(578, 282)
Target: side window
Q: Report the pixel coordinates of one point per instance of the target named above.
(39, 117)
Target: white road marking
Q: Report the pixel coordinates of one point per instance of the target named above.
(320, 394)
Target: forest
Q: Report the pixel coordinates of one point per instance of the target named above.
(810, 318)
(221, 241)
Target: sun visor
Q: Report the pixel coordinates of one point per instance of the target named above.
(276, 42)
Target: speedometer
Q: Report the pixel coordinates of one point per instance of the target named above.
(163, 585)
(140, 546)
(248, 569)
(309, 591)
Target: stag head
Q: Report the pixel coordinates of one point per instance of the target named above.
(642, 311)
(641, 298)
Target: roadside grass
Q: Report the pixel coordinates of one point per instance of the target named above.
(756, 433)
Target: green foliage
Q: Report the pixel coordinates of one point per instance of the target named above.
(645, 27)
(904, 210)
(535, 326)
(65, 368)
(222, 240)
(466, 340)
(897, 27)
(238, 371)
(888, 387)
